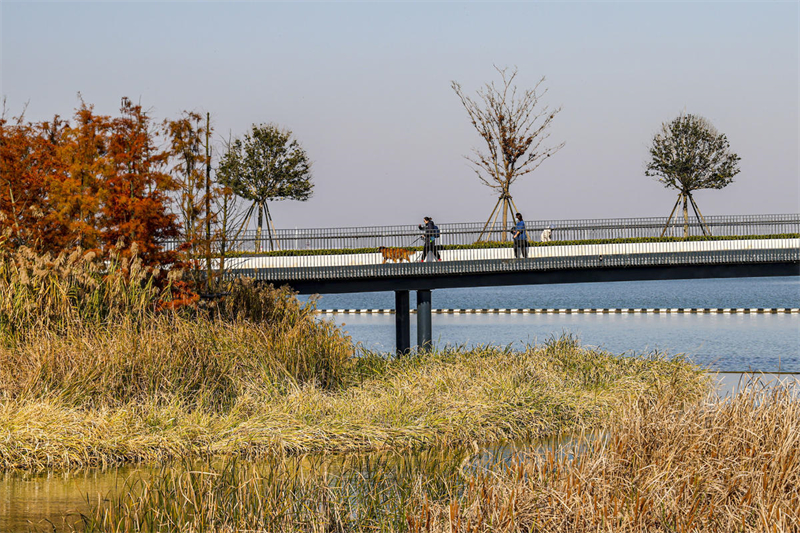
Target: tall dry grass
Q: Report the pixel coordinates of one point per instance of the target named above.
(97, 331)
(97, 369)
(724, 466)
(74, 288)
(310, 493)
(440, 398)
(732, 465)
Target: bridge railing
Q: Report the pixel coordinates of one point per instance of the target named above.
(456, 260)
(608, 256)
(480, 236)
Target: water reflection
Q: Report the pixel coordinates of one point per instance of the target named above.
(40, 502)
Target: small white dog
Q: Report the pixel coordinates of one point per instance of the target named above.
(546, 235)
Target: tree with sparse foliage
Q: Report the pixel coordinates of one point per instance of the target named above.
(186, 150)
(267, 164)
(514, 126)
(689, 154)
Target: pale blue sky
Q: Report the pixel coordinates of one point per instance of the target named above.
(366, 89)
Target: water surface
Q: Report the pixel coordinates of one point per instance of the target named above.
(735, 342)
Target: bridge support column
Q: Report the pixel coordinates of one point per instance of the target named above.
(424, 341)
(402, 322)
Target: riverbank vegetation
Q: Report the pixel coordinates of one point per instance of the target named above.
(104, 362)
(727, 465)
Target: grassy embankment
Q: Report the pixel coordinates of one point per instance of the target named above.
(95, 369)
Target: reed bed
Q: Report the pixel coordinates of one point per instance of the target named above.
(40, 292)
(722, 466)
(732, 465)
(251, 409)
(104, 362)
(309, 493)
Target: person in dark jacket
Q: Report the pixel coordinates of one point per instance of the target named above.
(520, 238)
(429, 239)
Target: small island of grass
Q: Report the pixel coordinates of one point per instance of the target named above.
(100, 366)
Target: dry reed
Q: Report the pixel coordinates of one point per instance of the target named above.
(722, 466)
(725, 466)
(95, 370)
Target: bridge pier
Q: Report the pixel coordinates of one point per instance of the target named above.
(402, 321)
(424, 341)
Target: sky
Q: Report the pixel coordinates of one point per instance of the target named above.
(365, 87)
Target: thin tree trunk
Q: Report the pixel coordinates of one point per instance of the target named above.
(494, 222)
(258, 230)
(489, 220)
(270, 227)
(506, 207)
(699, 214)
(515, 210)
(685, 216)
(224, 238)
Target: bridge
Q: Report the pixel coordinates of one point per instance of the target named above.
(335, 260)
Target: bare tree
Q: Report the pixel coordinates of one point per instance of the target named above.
(690, 154)
(514, 126)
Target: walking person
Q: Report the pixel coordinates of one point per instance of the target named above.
(429, 237)
(520, 238)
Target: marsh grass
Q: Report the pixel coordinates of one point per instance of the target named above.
(287, 493)
(724, 466)
(96, 369)
(92, 333)
(148, 402)
(729, 465)
(45, 293)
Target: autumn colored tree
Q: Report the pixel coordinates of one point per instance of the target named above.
(99, 180)
(136, 188)
(77, 194)
(28, 162)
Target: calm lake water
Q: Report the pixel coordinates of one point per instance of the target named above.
(735, 342)
(719, 342)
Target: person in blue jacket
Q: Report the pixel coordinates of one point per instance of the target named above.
(520, 238)
(429, 238)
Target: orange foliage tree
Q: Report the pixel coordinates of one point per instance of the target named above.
(91, 183)
(76, 195)
(136, 189)
(28, 163)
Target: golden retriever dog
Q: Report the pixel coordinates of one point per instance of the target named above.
(397, 255)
